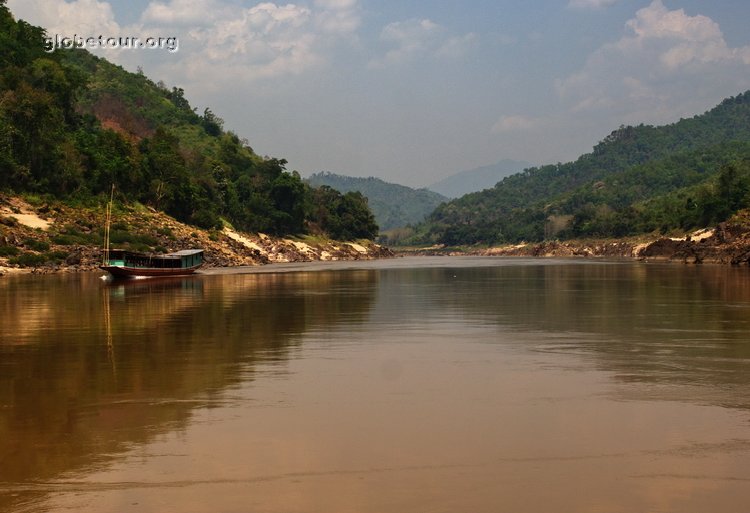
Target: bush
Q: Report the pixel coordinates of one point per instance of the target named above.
(124, 237)
(36, 245)
(205, 218)
(29, 260)
(72, 235)
(6, 251)
(64, 240)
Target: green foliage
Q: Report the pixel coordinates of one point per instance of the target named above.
(27, 259)
(342, 216)
(393, 206)
(638, 179)
(71, 235)
(155, 148)
(36, 245)
(6, 251)
(133, 239)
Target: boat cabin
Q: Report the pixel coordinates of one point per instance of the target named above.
(184, 259)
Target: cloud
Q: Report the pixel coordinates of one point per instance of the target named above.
(80, 17)
(420, 38)
(184, 12)
(665, 64)
(267, 40)
(337, 16)
(217, 38)
(590, 4)
(514, 124)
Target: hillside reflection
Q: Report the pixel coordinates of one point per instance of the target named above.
(658, 324)
(87, 370)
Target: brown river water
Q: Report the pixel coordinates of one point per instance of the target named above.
(408, 385)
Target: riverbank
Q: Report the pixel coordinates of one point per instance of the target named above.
(43, 237)
(728, 244)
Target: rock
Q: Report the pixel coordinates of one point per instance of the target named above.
(74, 258)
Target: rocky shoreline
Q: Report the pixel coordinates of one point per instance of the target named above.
(51, 238)
(55, 238)
(727, 244)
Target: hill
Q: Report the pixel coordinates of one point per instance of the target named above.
(72, 125)
(685, 175)
(393, 205)
(477, 179)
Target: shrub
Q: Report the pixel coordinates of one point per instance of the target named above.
(63, 240)
(36, 245)
(28, 259)
(6, 251)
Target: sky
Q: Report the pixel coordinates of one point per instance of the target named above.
(415, 91)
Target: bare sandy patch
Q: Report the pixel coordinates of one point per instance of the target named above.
(357, 247)
(24, 214)
(242, 240)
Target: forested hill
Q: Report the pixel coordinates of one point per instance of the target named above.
(393, 205)
(72, 124)
(638, 179)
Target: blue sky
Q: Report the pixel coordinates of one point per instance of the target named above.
(412, 92)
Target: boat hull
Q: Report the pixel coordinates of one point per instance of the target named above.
(135, 272)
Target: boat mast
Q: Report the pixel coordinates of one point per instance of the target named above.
(108, 215)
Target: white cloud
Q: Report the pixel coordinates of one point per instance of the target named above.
(218, 39)
(184, 12)
(666, 64)
(263, 41)
(80, 17)
(337, 16)
(514, 124)
(590, 4)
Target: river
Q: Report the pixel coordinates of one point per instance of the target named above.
(408, 385)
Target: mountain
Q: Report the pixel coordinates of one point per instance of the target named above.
(72, 125)
(477, 179)
(638, 179)
(393, 205)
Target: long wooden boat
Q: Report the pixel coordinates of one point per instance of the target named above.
(128, 264)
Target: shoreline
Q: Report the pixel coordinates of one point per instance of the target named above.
(52, 237)
(727, 244)
(46, 230)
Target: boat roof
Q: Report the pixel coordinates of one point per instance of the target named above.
(187, 252)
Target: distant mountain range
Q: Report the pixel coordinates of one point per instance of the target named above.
(393, 205)
(477, 179)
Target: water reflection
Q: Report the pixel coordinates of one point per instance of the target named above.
(676, 325)
(88, 369)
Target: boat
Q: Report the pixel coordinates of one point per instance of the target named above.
(130, 264)
(120, 263)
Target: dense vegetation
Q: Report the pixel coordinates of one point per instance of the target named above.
(638, 179)
(393, 205)
(72, 125)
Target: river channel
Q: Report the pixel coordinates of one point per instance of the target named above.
(416, 384)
